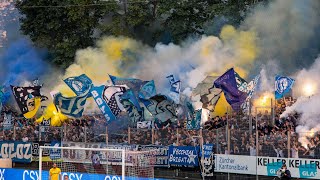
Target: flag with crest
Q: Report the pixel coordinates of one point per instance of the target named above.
(282, 86)
(79, 84)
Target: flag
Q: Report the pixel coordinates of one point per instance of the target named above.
(282, 85)
(134, 84)
(79, 84)
(209, 95)
(161, 108)
(28, 99)
(193, 123)
(134, 114)
(249, 89)
(36, 82)
(210, 100)
(129, 96)
(148, 90)
(108, 100)
(175, 87)
(171, 79)
(7, 121)
(71, 106)
(144, 125)
(241, 83)
(204, 86)
(227, 83)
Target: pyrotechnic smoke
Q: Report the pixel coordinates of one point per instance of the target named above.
(22, 63)
(190, 62)
(308, 104)
(288, 32)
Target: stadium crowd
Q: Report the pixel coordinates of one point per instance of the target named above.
(274, 138)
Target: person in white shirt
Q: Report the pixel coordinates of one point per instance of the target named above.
(278, 151)
(294, 152)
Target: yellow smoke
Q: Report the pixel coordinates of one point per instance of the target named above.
(242, 44)
(55, 116)
(243, 52)
(99, 61)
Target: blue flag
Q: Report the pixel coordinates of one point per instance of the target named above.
(171, 79)
(249, 89)
(108, 100)
(134, 114)
(148, 90)
(227, 83)
(71, 106)
(7, 121)
(194, 122)
(282, 86)
(79, 84)
(134, 84)
(175, 87)
(129, 96)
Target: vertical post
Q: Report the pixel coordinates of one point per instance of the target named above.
(152, 135)
(177, 133)
(256, 110)
(85, 134)
(257, 135)
(250, 118)
(64, 132)
(40, 163)
(288, 144)
(129, 136)
(228, 132)
(217, 141)
(107, 137)
(273, 111)
(123, 164)
(14, 131)
(39, 132)
(202, 152)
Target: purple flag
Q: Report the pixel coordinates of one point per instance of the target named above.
(227, 83)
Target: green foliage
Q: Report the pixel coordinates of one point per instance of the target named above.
(61, 27)
(65, 26)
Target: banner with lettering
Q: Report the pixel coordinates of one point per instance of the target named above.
(18, 151)
(34, 174)
(299, 168)
(161, 154)
(114, 157)
(207, 149)
(35, 151)
(235, 164)
(184, 155)
(267, 166)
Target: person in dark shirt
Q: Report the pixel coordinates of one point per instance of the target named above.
(286, 174)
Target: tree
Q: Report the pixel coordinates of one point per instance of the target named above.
(62, 26)
(133, 19)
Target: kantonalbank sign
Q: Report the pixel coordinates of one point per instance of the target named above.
(20, 174)
(267, 166)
